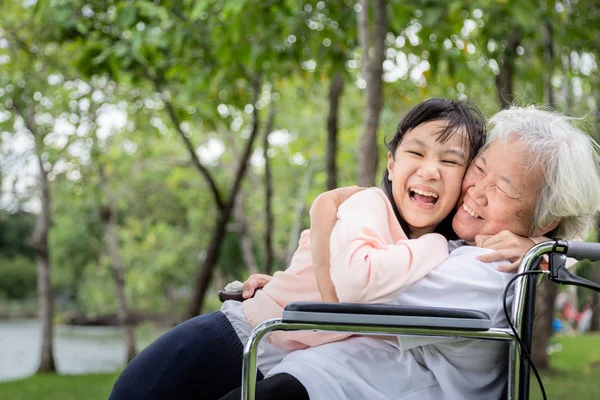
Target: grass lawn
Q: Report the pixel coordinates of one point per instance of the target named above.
(59, 387)
(575, 376)
(576, 369)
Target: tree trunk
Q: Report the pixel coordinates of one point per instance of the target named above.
(204, 275)
(504, 80)
(298, 211)
(335, 91)
(108, 216)
(42, 251)
(220, 278)
(567, 87)
(242, 226)
(42, 256)
(549, 62)
(542, 330)
(172, 307)
(191, 150)
(595, 324)
(368, 156)
(40, 244)
(245, 237)
(546, 291)
(268, 194)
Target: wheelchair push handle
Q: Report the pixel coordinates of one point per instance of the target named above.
(558, 273)
(583, 250)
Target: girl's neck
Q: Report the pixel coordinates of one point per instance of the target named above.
(415, 233)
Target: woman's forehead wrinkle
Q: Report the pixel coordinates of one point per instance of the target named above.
(483, 160)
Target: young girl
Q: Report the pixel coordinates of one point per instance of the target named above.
(383, 241)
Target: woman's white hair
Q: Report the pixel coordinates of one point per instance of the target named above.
(568, 157)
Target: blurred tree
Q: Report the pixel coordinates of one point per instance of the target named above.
(331, 34)
(222, 55)
(335, 91)
(30, 74)
(186, 72)
(268, 194)
(108, 217)
(372, 34)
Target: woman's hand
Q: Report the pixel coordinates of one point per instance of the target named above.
(508, 246)
(323, 216)
(253, 283)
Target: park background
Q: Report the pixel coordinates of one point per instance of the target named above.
(152, 151)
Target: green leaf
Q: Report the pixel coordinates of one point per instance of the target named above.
(233, 7)
(81, 27)
(100, 58)
(199, 7)
(126, 16)
(434, 60)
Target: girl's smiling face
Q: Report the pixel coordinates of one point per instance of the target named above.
(427, 175)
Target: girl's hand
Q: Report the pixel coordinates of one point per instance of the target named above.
(508, 246)
(253, 283)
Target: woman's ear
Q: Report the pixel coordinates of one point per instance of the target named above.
(549, 227)
(390, 166)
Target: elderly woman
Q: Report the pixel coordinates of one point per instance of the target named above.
(536, 175)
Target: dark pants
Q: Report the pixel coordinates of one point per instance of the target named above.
(276, 387)
(198, 359)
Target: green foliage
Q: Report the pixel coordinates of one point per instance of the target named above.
(17, 277)
(585, 269)
(72, 62)
(76, 239)
(15, 231)
(17, 265)
(231, 260)
(96, 293)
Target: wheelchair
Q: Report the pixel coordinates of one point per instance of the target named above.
(383, 319)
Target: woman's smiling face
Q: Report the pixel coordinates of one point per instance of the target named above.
(426, 176)
(499, 193)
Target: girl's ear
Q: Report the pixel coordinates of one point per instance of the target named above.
(390, 165)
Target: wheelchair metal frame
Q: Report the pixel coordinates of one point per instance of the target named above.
(522, 317)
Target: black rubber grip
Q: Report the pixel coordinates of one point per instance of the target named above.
(583, 250)
(224, 296)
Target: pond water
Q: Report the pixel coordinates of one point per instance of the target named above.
(77, 349)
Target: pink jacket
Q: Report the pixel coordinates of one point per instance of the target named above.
(372, 260)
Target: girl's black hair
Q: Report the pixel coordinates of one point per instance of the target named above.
(461, 116)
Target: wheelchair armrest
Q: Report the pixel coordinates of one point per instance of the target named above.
(231, 291)
(225, 295)
(388, 315)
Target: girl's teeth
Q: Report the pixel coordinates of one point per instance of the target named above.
(424, 193)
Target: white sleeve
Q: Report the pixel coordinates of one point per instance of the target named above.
(410, 342)
(459, 282)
